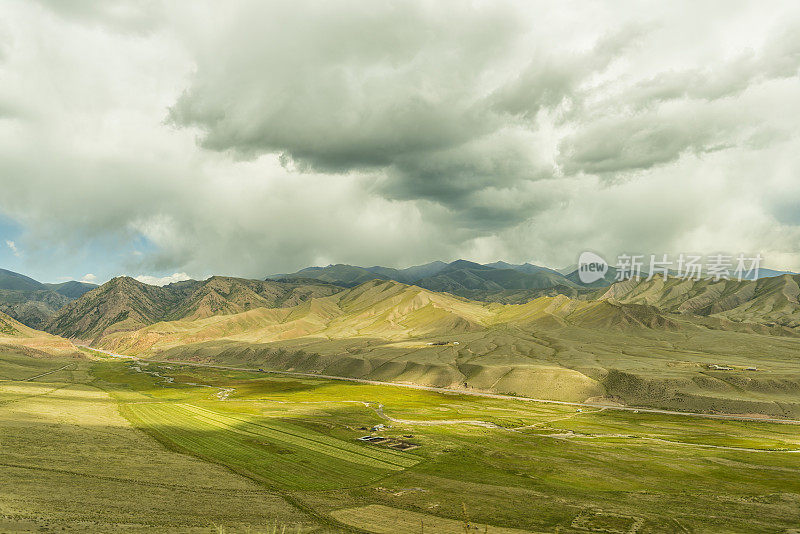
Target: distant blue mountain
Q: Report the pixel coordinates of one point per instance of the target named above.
(32, 302)
(456, 277)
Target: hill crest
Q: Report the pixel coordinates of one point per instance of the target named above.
(124, 303)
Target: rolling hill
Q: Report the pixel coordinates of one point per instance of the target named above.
(772, 302)
(17, 338)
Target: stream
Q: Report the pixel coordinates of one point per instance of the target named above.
(223, 393)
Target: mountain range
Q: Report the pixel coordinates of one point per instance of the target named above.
(499, 281)
(381, 309)
(77, 309)
(644, 342)
(491, 282)
(130, 316)
(32, 302)
(127, 304)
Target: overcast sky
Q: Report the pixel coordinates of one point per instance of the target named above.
(250, 138)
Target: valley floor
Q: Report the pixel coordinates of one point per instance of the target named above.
(109, 445)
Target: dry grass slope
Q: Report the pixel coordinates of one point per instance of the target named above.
(17, 338)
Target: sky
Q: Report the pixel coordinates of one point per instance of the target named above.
(169, 140)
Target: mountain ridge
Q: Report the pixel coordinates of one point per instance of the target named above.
(460, 277)
(32, 302)
(393, 311)
(124, 303)
(768, 305)
(769, 301)
(490, 282)
(18, 338)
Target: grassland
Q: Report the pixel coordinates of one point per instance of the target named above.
(281, 454)
(69, 461)
(659, 369)
(110, 445)
(284, 449)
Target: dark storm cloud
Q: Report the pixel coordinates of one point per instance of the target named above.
(338, 89)
(437, 98)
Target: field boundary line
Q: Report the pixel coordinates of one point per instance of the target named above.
(47, 373)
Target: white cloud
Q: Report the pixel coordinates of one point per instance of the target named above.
(156, 281)
(13, 246)
(89, 278)
(396, 133)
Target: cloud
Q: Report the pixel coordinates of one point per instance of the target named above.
(440, 111)
(356, 91)
(778, 58)
(14, 250)
(617, 143)
(249, 138)
(164, 280)
(89, 278)
(696, 110)
(119, 15)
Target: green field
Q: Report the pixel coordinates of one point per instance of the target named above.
(69, 461)
(110, 445)
(281, 454)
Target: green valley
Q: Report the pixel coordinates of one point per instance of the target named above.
(617, 350)
(231, 405)
(399, 267)
(282, 452)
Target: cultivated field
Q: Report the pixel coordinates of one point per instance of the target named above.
(69, 461)
(111, 445)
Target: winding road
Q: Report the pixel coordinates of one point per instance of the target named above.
(435, 422)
